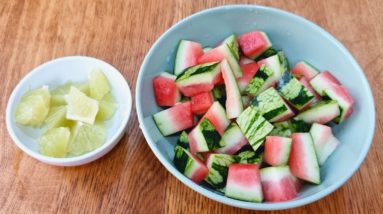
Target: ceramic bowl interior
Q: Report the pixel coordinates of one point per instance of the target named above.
(57, 72)
(301, 40)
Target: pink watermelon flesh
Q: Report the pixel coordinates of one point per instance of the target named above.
(195, 89)
(253, 43)
(200, 103)
(243, 183)
(220, 53)
(277, 150)
(323, 81)
(303, 161)
(324, 141)
(234, 140)
(306, 83)
(174, 119)
(278, 184)
(187, 54)
(248, 72)
(234, 105)
(212, 55)
(165, 90)
(217, 116)
(244, 61)
(340, 94)
(302, 69)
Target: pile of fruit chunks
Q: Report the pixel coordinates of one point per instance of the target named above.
(252, 128)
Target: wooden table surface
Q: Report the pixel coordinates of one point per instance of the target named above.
(130, 179)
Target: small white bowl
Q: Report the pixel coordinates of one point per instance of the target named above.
(60, 71)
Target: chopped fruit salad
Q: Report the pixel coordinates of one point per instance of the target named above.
(250, 126)
(71, 116)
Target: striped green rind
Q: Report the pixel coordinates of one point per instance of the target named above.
(219, 94)
(183, 140)
(181, 159)
(212, 137)
(293, 91)
(282, 129)
(299, 126)
(232, 43)
(185, 162)
(254, 126)
(232, 60)
(270, 104)
(268, 53)
(198, 69)
(249, 157)
(262, 75)
(218, 167)
(283, 60)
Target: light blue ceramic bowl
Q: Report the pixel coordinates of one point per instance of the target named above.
(300, 39)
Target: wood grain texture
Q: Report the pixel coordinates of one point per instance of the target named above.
(130, 179)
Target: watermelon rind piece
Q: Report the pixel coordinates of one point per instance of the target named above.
(218, 165)
(268, 53)
(254, 37)
(282, 129)
(187, 54)
(322, 112)
(277, 150)
(198, 75)
(248, 72)
(204, 137)
(165, 89)
(260, 81)
(272, 106)
(304, 69)
(340, 94)
(174, 119)
(217, 116)
(324, 141)
(303, 161)
(243, 183)
(286, 128)
(284, 61)
(274, 63)
(233, 140)
(323, 81)
(183, 140)
(294, 92)
(232, 43)
(254, 126)
(234, 105)
(249, 157)
(278, 184)
(220, 53)
(189, 165)
(299, 125)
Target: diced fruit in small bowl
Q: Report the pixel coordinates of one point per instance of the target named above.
(66, 112)
(261, 136)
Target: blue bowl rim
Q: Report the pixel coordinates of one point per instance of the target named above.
(234, 202)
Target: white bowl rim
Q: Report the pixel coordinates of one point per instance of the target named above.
(234, 202)
(77, 160)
